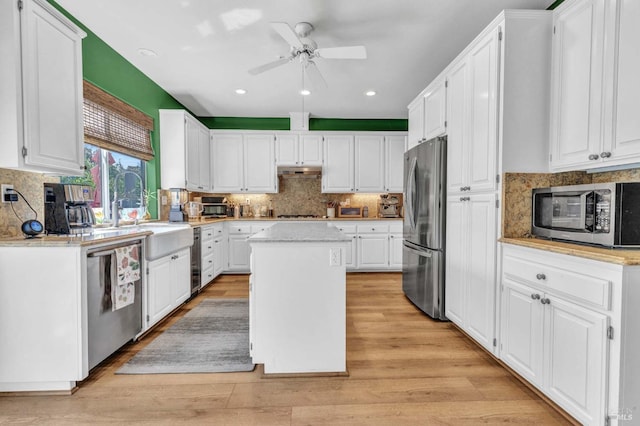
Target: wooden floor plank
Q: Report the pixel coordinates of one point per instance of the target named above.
(404, 369)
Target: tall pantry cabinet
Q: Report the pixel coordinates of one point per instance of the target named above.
(497, 121)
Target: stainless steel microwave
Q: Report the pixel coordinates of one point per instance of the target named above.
(606, 214)
(214, 206)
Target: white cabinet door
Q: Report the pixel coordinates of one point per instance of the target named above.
(521, 330)
(575, 359)
(181, 276)
(338, 167)
(455, 261)
(457, 111)
(481, 241)
(470, 265)
(576, 88)
(204, 158)
(310, 150)
(160, 297)
(227, 160)
(394, 163)
(239, 251)
(218, 256)
(52, 90)
(435, 111)
(259, 163)
(287, 150)
(481, 147)
(373, 251)
(395, 251)
(192, 146)
(622, 126)
(416, 123)
(369, 165)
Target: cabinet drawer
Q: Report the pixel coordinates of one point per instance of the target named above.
(239, 229)
(372, 228)
(206, 232)
(347, 229)
(260, 227)
(566, 279)
(396, 227)
(206, 247)
(207, 261)
(207, 275)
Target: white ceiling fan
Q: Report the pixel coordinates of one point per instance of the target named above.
(306, 50)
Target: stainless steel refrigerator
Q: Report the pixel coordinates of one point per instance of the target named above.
(424, 226)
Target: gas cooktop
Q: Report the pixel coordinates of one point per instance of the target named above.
(298, 216)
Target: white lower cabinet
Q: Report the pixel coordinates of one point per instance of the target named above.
(376, 245)
(168, 284)
(212, 250)
(566, 329)
(239, 249)
(470, 265)
(349, 229)
(395, 251)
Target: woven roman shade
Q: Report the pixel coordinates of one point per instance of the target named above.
(112, 124)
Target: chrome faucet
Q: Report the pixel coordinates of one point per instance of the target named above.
(115, 208)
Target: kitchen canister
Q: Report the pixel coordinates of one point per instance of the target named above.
(331, 212)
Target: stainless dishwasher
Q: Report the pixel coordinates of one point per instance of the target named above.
(108, 330)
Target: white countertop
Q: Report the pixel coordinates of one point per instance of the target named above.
(299, 232)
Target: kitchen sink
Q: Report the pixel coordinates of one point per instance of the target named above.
(167, 238)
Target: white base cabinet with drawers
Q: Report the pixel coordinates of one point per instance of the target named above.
(375, 245)
(169, 284)
(212, 251)
(570, 327)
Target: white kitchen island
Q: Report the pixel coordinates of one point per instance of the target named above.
(298, 298)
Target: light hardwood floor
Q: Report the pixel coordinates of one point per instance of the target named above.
(405, 369)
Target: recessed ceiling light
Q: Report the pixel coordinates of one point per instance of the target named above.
(305, 92)
(370, 93)
(147, 52)
(241, 91)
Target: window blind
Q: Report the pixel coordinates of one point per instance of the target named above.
(111, 124)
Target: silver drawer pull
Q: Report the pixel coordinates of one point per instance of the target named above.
(535, 296)
(541, 276)
(593, 157)
(545, 301)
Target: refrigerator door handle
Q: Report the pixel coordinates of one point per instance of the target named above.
(411, 193)
(423, 253)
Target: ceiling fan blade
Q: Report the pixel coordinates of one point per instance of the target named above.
(287, 33)
(346, 52)
(268, 66)
(315, 78)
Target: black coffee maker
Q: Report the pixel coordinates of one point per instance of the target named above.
(67, 209)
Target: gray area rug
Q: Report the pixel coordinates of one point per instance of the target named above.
(211, 338)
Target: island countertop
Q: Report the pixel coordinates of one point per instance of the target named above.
(299, 232)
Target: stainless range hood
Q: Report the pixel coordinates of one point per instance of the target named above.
(311, 172)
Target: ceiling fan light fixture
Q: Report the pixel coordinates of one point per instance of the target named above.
(241, 91)
(305, 92)
(370, 93)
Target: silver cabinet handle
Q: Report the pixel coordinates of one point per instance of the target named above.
(535, 296)
(545, 301)
(593, 157)
(465, 188)
(605, 154)
(541, 276)
(359, 236)
(465, 198)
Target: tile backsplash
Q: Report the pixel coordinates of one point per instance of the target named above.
(30, 185)
(516, 194)
(295, 196)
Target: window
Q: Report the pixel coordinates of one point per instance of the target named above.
(113, 174)
(117, 143)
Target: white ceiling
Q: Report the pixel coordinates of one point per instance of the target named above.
(205, 48)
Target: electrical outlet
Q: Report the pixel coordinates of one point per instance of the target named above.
(335, 257)
(4, 190)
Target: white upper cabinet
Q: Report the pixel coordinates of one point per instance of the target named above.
(184, 151)
(243, 163)
(428, 113)
(595, 90)
(298, 150)
(338, 167)
(369, 163)
(416, 122)
(435, 109)
(41, 121)
(457, 134)
(394, 163)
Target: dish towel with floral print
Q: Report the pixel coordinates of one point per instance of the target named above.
(127, 272)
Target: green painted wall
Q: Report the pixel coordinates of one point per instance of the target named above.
(341, 124)
(555, 4)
